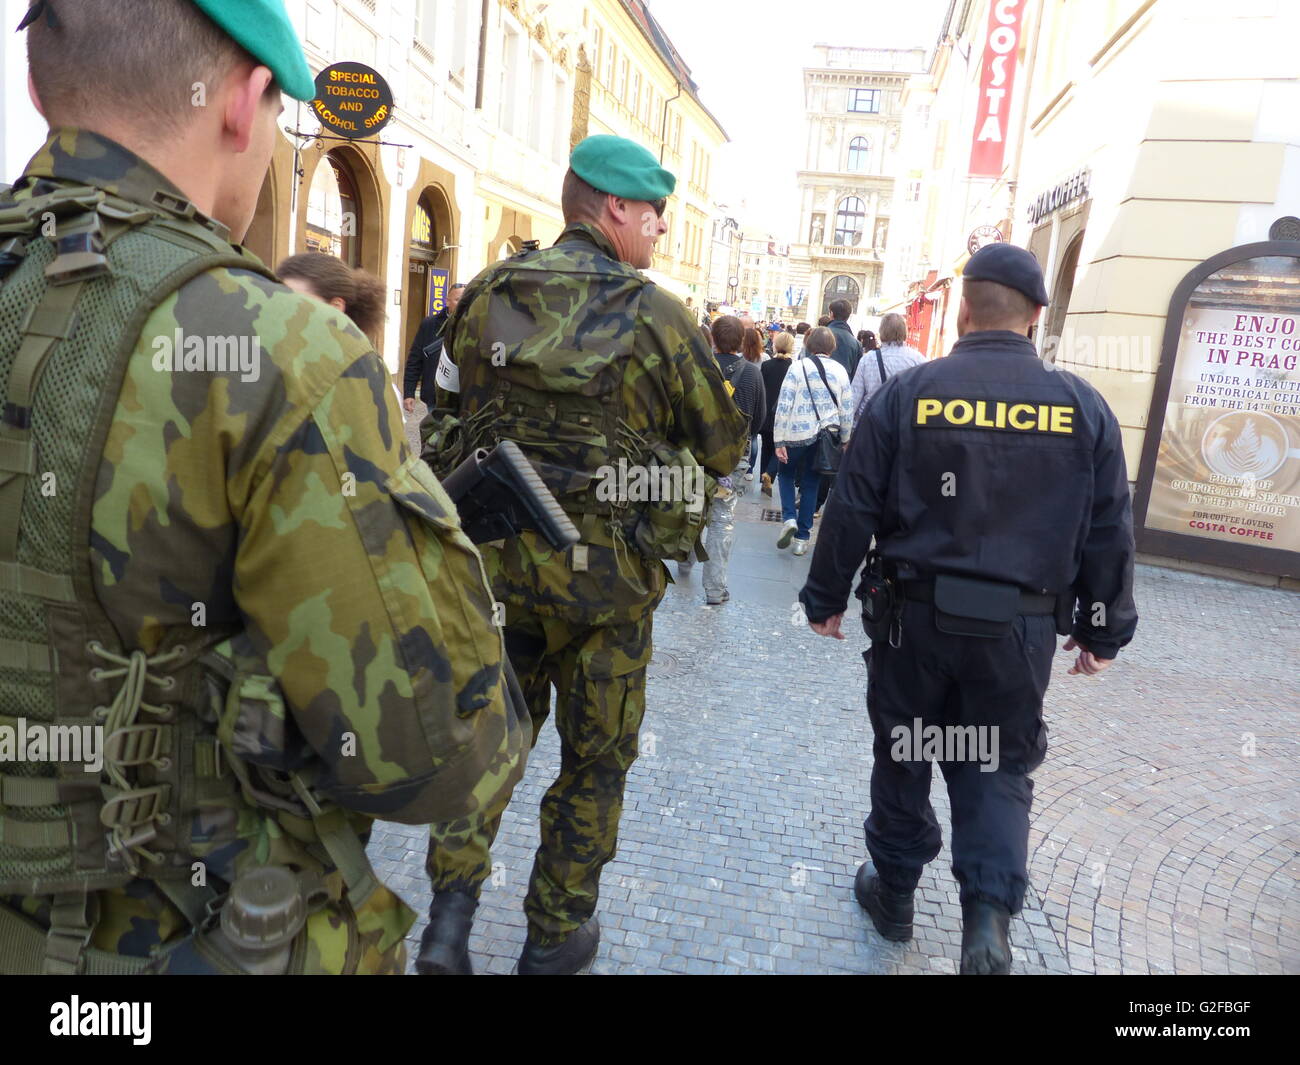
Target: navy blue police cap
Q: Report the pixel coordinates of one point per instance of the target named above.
(1011, 266)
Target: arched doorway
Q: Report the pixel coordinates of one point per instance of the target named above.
(423, 249)
(840, 287)
(1061, 293)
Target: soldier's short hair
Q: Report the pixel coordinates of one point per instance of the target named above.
(995, 306)
(580, 202)
(840, 310)
(140, 62)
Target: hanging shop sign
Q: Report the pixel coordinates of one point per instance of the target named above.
(352, 100)
(997, 79)
(982, 235)
(1075, 187)
(1220, 474)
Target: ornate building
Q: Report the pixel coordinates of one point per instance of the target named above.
(853, 111)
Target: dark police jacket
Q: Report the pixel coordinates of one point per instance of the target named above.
(987, 464)
(422, 361)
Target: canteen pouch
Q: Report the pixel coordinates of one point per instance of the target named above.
(669, 526)
(966, 606)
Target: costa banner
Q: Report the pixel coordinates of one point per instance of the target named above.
(997, 78)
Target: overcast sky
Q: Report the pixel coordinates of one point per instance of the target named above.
(748, 63)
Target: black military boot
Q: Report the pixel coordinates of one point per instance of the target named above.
(985, 950)
(444, 947)
(565, 958)
(891, 911)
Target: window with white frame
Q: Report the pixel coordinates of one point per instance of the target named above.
(426, 22)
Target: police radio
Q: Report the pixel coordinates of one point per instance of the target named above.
(881, 605)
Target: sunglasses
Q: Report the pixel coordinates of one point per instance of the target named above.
(659, 205)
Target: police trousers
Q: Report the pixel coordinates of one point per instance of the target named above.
(598, 674)
(974, 705)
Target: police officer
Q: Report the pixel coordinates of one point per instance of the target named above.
(995, 488)
(209, 527)
(592, 370)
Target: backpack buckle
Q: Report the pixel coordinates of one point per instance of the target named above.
(79, 253)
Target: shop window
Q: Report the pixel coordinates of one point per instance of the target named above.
(334, 212)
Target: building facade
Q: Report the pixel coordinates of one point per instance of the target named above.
(853, 118)
(489, 97)
(634, 83)
(1141, 138)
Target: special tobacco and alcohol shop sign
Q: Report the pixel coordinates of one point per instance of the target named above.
(352, 100)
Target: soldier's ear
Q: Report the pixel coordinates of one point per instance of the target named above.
(245, 86)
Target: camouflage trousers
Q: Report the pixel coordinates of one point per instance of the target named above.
(598, 673)
(722, 531)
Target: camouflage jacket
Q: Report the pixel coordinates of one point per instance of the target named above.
(672, 389)
(280, 501)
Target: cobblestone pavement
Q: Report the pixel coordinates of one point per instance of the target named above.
(1163, 836)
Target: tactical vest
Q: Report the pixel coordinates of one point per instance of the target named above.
(550, 377)
(80, 272)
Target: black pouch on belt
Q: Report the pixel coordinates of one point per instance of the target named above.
(966, 606)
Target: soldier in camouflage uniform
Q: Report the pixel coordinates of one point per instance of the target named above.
(243, 575)
(573, 354)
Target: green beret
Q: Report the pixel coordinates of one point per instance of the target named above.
(263, 29)
(622, 168)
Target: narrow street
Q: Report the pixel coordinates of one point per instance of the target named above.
(1163, 837)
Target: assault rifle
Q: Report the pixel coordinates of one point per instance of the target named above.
(498, 494)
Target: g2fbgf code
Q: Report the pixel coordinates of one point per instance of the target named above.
(1161, 1008)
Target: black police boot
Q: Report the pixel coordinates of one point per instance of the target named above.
(444, 947)
(985, 950)
(565, 958)
(890, 911)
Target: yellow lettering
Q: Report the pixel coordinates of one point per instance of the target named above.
(927, 408)
(1000, 418)
(950, 411)
(1015, 423)
(981, 415)
(1062, 418)
(1043, 412)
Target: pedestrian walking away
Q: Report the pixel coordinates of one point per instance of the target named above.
(876, 365)
(811, 399)
(743, 376)
(996, 491)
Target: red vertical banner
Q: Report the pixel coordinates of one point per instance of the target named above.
(997, 78)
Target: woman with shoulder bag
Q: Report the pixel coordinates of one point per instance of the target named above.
(814, 416)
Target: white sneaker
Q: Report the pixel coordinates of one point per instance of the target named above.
(749, 476)
(801, 547)
(787, 534)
